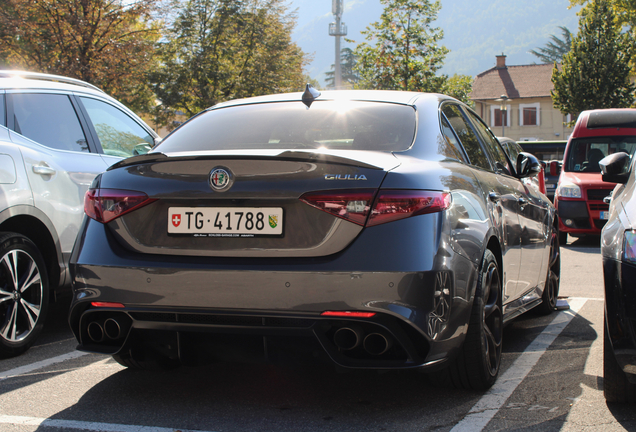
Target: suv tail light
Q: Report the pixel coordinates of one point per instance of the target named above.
(104, 205)
(390, 205)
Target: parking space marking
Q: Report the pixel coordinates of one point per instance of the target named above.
(491, 402)
(41, 364)
(90, 426)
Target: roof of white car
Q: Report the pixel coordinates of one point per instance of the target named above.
(12, 79)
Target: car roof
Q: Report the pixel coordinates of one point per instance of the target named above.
(13, 79)
(388, 96)
(605, 122)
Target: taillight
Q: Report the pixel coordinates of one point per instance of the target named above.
(104, 205)
(392, 205)
(349, 205)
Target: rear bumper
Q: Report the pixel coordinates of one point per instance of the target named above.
(620, 313)
(234, 309)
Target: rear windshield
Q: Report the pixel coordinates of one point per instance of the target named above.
(585, 153)
(340, 125)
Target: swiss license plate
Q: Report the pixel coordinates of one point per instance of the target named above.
(604, 215)
(225, 221)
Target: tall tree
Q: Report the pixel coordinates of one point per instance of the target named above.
(554, 51)
(108, 43)
(348, 74)
(402, 51)
(224, 49)
(595, 73)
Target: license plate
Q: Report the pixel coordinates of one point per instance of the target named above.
(604, 215)
(225, 221)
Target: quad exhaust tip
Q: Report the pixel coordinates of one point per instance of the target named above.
(348, 338)
(99, 332)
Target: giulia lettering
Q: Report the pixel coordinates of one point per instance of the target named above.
(344, 177)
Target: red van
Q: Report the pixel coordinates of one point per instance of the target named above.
(580, 191)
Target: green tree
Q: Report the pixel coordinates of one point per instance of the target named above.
(554, 51)
(595, 73)
(402, 51)
(348, 73)
(225, 49)
(457, 86)
(109, 43)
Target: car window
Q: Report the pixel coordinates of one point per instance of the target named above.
(450, 147)
(467, 136)
(117, 132)
(3, 119)
(49, 119)
(513, 150)
(340, 125)
(584, 154)
(492, 145)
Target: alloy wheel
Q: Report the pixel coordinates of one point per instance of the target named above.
(21, 295)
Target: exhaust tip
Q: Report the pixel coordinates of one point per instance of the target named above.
(95, 332)
(347, 338)
(112, 329)
(377, 344)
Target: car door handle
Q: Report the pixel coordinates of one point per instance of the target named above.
(43, 169)
(494, 196)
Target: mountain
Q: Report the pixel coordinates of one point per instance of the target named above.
(475, 31)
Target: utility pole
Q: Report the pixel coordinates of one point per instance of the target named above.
(337, 29)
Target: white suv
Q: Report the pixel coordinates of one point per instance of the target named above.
(56, 135)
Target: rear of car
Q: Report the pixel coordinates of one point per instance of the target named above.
(580, 193)
(254, 241)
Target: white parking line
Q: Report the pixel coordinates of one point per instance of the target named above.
(91, 426)
(41, 364)
(490, 403)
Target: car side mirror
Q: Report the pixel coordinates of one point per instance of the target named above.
(527, 165)
(615, 167)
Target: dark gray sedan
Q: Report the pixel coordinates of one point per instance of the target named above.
(370, 229)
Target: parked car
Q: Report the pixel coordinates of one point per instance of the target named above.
(56, 135)
(581, 190)
(618, 249)
(513, 150)
(376, 230)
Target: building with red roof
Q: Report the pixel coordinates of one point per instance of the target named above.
(524, 91)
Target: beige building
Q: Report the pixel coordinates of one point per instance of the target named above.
(524, 92)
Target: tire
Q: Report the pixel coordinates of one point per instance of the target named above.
(616, 387)
(551, 289)
(24, 293)
(139, 359)
(477, 365)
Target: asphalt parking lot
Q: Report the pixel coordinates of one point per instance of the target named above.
(551, 380)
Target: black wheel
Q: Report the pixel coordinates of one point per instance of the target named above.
(616, 387)
(551, 289)
(141, 359)
(477, 365)
(24, 293)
